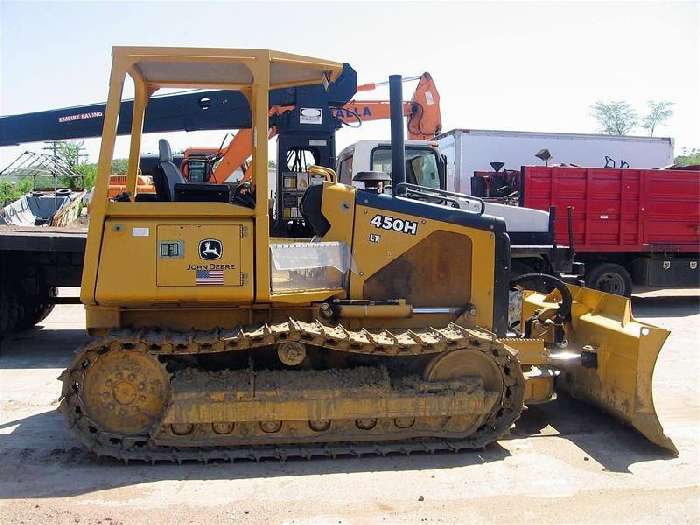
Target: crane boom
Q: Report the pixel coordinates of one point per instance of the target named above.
(188, 111)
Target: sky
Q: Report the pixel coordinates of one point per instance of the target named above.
(526, 66)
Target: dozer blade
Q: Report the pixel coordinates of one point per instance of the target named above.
(619, 354)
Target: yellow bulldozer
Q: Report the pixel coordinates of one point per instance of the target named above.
(388, 331)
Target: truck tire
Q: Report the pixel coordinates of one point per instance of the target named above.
(35, 297)
(609, 278)
(10, 307)
(36, 309)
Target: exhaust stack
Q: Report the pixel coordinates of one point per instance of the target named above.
(398, 144)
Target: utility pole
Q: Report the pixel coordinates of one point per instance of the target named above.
(52, 145)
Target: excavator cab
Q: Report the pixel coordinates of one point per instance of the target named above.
(389, 331)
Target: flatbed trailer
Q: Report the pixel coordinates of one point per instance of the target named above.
(34, 263)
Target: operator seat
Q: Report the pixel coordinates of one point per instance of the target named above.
(311, 206)
(167, 175)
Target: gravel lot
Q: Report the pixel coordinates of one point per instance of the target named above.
(564, 463)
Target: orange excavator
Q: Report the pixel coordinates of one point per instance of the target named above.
(424, 121)
(206, 164)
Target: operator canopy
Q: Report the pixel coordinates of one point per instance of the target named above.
(218, 68)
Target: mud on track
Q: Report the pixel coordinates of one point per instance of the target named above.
(564, 462)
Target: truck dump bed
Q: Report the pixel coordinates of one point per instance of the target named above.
(619, 210)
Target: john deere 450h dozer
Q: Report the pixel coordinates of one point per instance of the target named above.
(387, 332)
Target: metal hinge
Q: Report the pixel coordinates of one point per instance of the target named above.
(244, 278)
(244, 231)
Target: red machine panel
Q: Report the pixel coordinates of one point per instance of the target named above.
(619, 210)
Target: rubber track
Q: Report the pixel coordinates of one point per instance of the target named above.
(138, 448)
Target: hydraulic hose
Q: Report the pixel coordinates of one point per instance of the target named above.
(564, 312)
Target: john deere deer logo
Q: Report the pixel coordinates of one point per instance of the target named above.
(210, 249)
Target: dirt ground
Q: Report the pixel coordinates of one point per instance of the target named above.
(563, 463)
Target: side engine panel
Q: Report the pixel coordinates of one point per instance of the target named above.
(418, 251)
(147, 261)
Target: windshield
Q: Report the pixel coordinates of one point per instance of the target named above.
(421, 165)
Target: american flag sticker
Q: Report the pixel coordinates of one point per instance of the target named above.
(209, 277)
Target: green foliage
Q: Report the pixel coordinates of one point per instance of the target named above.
(620, 118)
(11, 191)
(21, 181)
(615, 118)
(688, 157)
(71, 152)
(120, 166)
(89, 173)
(659, 111)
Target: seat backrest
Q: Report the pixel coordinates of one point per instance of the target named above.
(311, 206)
(168, 174)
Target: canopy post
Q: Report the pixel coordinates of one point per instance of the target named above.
(139, 110)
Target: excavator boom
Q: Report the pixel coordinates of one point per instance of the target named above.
(423, 111)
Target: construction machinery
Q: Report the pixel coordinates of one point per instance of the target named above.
(389, 332)
(531, 231)
(298, 144)
(303, 118)
(422, 112)
(48, 258)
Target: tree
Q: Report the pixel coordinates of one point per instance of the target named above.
(71, 152)
(615, 118)
(688, 157)
(89, 173)
(11, 191)
(659, 111)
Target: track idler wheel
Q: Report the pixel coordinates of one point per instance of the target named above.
(499, 374)
(125, 391)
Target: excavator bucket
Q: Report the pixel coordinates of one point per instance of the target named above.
(618, 356)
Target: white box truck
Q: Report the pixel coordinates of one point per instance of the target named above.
(470, 150)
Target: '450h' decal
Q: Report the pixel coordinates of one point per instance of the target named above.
(398, 225)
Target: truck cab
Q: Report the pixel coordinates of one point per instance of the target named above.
(426, 166)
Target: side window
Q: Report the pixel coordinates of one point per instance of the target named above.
(421, 165)
(345, 174)
(196, 171)
(424, 169)
(381, 160)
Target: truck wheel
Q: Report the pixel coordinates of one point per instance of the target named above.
(9, 308)
(609, 278)
(36, 310)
